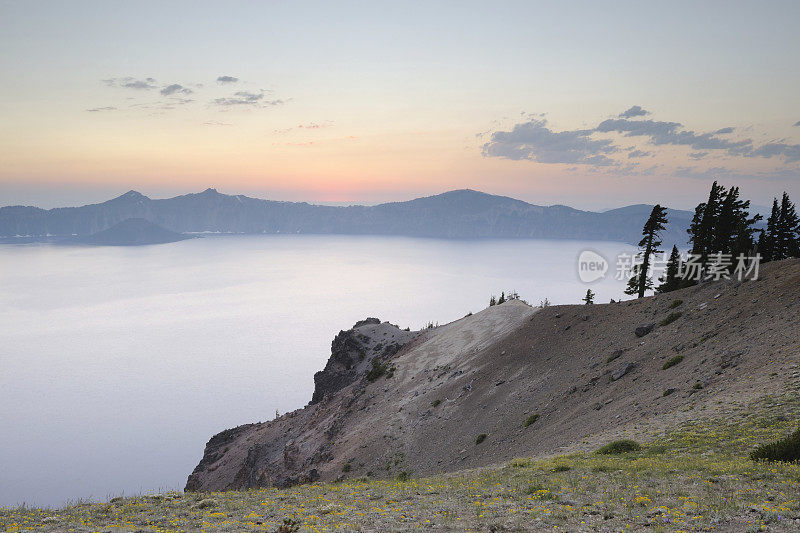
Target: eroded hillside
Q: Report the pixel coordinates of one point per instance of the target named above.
(583, 370)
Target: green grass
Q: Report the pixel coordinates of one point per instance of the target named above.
(672, 362)
(697, 476)
(530, 420)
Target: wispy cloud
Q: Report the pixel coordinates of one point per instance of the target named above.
(227, 79)
(129, 82)
(245, 98)
(101, 109)
(661, 133)
(533, 140)
(175, 88)
(634, 111)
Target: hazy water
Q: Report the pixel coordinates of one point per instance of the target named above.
(118, 364)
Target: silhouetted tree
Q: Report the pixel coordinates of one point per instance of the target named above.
(492, 301)
(671, 279)
(635, 280)
(787, 229)
(502, 298)
(766, 242)
(651, 240)
(589, 298)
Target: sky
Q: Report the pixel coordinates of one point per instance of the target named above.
(589, 104)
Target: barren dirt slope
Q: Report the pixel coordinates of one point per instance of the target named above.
(582, 369)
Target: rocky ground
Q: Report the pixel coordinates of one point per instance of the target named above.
(588, 373)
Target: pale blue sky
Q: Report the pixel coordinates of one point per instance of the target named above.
(398, 93)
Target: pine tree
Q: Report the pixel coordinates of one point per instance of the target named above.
(502, 298)
(492, 301)
(766, 242)
(589, 298)
(651, 240)
(635, 280)
(787, 229)
(671, 279)
(703, 239)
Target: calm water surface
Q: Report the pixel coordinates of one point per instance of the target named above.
(118, 364)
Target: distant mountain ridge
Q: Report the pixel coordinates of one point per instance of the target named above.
(458, 214)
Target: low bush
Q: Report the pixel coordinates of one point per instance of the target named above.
(785, 450)
(672, 317)
(378, 369)
(675, 303)
(697, 386)
(619, 447)
(435, 403)
(562, 468)
(531, 419)
(672, 362)
(480, 438)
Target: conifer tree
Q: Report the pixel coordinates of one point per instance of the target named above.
(502, 298)
(589, 298)
(671, 279)
(766, 242)
(651, 240)
(492, 301)
(635, 279)
(787, 229)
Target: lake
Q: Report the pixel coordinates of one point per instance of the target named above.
(118, 364)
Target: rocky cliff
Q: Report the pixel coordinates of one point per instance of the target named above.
(531, 381)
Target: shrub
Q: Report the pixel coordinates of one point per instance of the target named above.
(540, 492)
(531, 419)
(675, 303)
(672, 362)
(562, 468)
(520, 462)
(378, 369)
(667, 392)
(288, 526)
(672, 317)
(697, 386)
(404, 476)
(619, 446)
(786, 449)
(480, 438)
(435, 403)
(347, 467)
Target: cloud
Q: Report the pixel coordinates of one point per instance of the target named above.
(662, 133)
(533, 140)
(212, 123)
(315, 125)
(227, 79)
(797, 124)
(175, 88)
(101, 109)
(244, 98)
(790, 152)
(131, 83)
(634, 111)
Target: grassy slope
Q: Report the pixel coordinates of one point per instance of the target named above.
(697, 477)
